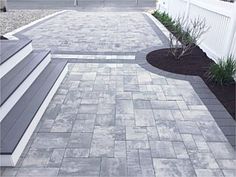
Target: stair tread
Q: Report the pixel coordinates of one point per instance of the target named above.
(19, 118)
(12, 80)
(11, 47)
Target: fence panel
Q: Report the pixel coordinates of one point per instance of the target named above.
(213, 41)
(179, 9)
(233, 48)
(219, 18)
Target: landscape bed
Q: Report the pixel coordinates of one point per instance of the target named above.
(184, 56)
(198, 64)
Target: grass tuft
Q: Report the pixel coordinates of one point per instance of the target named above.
(224, 71)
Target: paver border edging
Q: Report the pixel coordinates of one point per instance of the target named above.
(197, 84)
(162, 36)
(163, 33)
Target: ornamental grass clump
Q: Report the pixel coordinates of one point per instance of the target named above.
(223, 72)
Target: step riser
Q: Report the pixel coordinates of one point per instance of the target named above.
(15, 59)
(11, 160)
(12, 100)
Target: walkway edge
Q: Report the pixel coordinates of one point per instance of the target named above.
(11, 36)
(164, 30)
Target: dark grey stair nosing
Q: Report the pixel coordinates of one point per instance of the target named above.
(228, 131)
(226, 122)
(12, 48)
(232, 141)
(18, 119)
(13, 79)
(10, 118)
(7, 44)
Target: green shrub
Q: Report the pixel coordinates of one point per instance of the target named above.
(165, 19)
(185, 34)
(224, 71)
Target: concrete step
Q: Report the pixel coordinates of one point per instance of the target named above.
(19, 124)
(12, 53)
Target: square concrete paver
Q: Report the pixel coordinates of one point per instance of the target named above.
(173, 167)
(80, 167)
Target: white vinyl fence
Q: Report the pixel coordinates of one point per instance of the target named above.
(220, 17)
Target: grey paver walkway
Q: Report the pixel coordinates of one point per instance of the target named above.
(95, 32)
(120, 119)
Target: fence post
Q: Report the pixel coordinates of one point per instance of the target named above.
(231, 32)
(168, 6)
(75, 2)
(186, 15)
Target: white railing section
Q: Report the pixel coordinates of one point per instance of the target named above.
(220, 17)
(233, 48)
(176, 11)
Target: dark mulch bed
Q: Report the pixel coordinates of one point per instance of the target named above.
(195, 64)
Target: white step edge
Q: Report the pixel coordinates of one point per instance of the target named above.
(15, 59)
(18, 93)
(12, 159)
